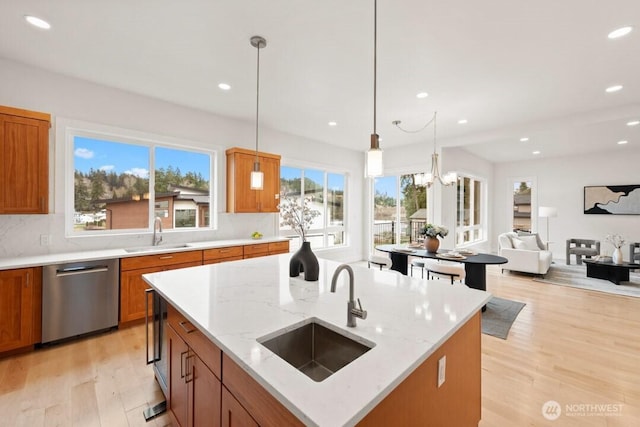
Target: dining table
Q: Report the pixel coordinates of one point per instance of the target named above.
(475, 263)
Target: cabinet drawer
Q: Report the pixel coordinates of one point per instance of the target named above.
(219, 260)
(278, 247)
(158, 260)
(260, 248)
(220, 253)
(206, 350)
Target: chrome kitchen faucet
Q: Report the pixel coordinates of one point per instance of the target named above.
(157, 231)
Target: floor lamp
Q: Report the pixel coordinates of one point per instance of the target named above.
(547, 212)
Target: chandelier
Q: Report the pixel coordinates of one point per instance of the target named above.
(427, 179)
(374, 165)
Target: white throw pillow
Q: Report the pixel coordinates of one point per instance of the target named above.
(528, 243)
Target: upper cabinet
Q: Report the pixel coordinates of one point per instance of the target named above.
(240, 197)
(24, 163)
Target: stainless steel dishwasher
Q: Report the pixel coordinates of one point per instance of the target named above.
(78, 298)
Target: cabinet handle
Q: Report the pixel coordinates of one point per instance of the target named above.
(28, 279)
(166, 257)
(184, 328)
(224, 251)
(182, 363)
(189, 374)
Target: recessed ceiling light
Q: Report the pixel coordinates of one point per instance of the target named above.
(333, 124)
(622, 142)
(633, 123)
(463, 121)
(524, 139)
(37, 22)
(224, 86)
(620, 32)
(422, 95)
(614, 88)
(536, 152)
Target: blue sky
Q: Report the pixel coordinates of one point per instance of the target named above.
(387, 184)
(117, 157)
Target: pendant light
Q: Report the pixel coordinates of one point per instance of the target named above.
(428, 179)
(257, 177)
(374, 155)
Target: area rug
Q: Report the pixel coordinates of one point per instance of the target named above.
(576, 276)
(499, 316)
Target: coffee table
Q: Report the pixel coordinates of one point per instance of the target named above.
(614, 273)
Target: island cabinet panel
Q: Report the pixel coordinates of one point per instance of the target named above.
(194, 374)
(257, 401)
(257, 250)
(216, 255)
(20, 308)
(132, 285)
(233, 414)
(419, 401)
(203, 346)
(24, 163)
(194, 391)
(240, 197)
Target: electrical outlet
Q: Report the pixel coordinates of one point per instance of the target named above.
(45, 240)
(442, 367)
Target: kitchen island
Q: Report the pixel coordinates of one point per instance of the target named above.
(412, 324)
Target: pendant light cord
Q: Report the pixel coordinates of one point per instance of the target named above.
(375, 61)
(257, 97)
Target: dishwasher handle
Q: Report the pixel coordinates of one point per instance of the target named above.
(72, 271)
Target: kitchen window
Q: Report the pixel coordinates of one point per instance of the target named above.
(470, 225)
(399, 209)
(326, 193)
(121, 182)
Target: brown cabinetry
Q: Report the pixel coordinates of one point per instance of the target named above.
(24, 163)
(20, 302)
(194, 371)
(240, 197)
(216, 255)
(263, 249)
(133, 286)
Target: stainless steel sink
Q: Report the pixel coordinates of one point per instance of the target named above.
(316, 350)
(156, 248)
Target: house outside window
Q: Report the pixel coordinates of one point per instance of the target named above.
(113, 191)
(326, 193)
(400, 209)
(470, 223)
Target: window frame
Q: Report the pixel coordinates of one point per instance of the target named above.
(326, 230)
(472, 228)
(71, 128)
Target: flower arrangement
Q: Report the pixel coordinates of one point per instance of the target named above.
(296, 215)
(616, 240)
(431, 230)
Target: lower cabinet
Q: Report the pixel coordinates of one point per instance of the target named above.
(194, 391)
(20, 301)
(233, 414)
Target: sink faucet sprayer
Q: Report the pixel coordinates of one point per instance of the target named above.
(157, 230)
(352, 311)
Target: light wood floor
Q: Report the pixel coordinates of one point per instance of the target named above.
(567, 345)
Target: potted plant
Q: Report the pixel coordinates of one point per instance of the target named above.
(299, 216)
(431, 233)
(617, 241)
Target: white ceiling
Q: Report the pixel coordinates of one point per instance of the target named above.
(512, 68)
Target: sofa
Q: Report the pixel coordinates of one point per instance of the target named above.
(525, 253)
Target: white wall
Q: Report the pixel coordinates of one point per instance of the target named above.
(34, 89)
(560, 184)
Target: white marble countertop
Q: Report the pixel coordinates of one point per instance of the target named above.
(236, 303)
(65, 257)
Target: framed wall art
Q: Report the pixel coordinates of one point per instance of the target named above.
(612, 199)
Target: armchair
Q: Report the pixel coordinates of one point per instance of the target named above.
(634, 252)
(582, 247)
(524, 253)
